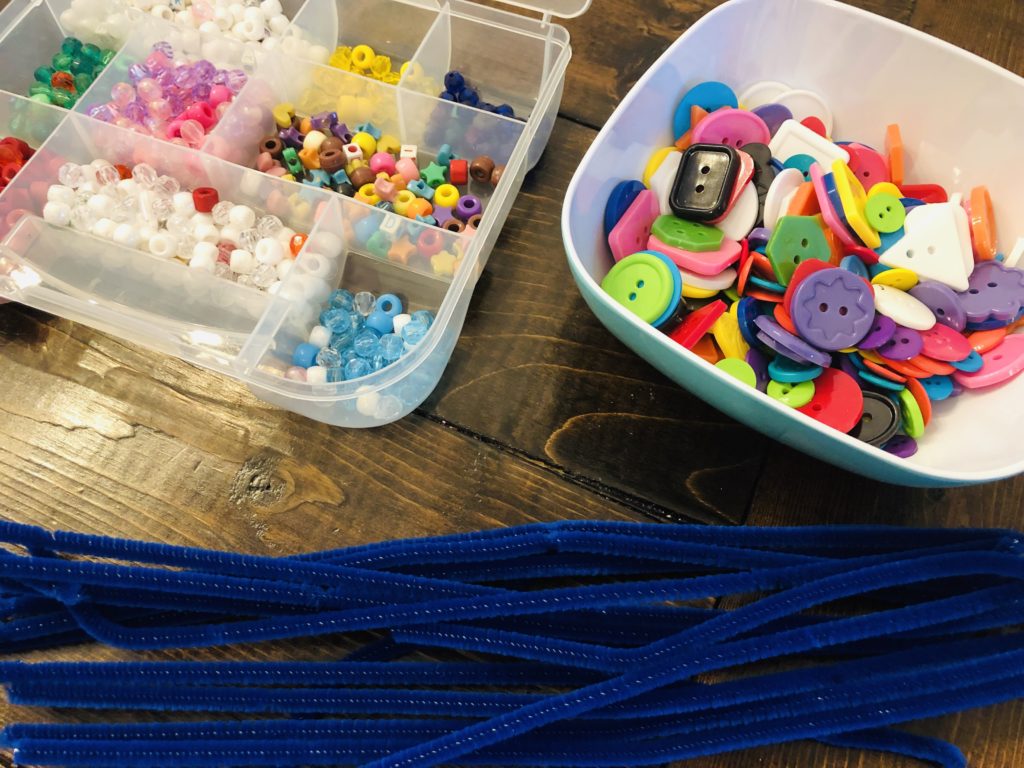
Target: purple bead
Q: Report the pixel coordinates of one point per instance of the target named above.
(236, 80)
(468, 207)
(200, 91)
(101, 112)
(204, 69)
(136, 112)
(137, 72)
(220, 77)
(342, 132)
(165, 48)
(165, 78)
(291, 137)
(442, 215)
(185, 77)
(177, 103)
(322, 122)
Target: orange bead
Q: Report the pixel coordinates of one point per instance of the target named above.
(305, 125)
(310, 159)
(419, 207)
(296, 243)
(401, 251)
(63, 80)
(124, 171)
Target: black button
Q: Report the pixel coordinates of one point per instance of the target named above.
(880, 420)
(704, 183)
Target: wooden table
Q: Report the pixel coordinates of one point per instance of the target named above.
(541, 414)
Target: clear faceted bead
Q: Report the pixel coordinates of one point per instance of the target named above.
(71, 175)
(220, 212)
(364, 302)
(264, 276)
(248, 239)
(145, 175)
(269, 226)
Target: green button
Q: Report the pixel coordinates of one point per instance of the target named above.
(912, 419)
(793, 395)
(642, 284)
(738, 369)
(795, 239)
(885, 212)
(688, 235)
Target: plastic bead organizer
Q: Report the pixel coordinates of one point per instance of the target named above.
(236, 329)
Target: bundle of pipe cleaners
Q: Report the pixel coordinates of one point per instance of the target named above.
(591, 644)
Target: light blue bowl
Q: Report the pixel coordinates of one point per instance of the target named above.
(960, 118)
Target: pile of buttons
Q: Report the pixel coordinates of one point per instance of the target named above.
(69, 73)
(358, 334)
(363, 60)
(171, 99)
(811, 269)
(457, 89)
(138, 208)
(377, 169)
(14, 153)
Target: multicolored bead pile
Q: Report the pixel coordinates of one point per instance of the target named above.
(375, 168)
(358, 334)
(170, 98)
(14, 153)
(70, 72)
(139, 208)
(811, 269)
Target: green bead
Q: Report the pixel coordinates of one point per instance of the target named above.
(62, 98)
(82, 82)
(71, 45)
(107, 57)
(42, 98)
(40, 88)
(378, 244)
(43, 74)
(79, 64)
(93, 52)
(61, 62)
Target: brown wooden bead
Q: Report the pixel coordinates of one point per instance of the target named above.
(496, 174)
(473, 222)
(362, 176)
(332, 161)
(331, 142)
(481, 168)
(273, 146)
(454, 225)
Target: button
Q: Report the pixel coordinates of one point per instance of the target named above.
(905, 344)
(787, 371)
(630, 235)
(763, 92)
(882, 330)
(742, 215)
(885, 212)
(938, 368)
(815, 124)
(655, 162)
(854, 198)
(879, 422)
(705, 286)
(828, 209)
(801, 163)
(982, 341)
(926, 193)
(912, 418)
(704, 185)
(726, 331)
(922, 398)
(739, 370)
(759, 363)
(833, 309)
(943, 302)
(696, 324)
(868, 166)
(901, 446)
(773, 115)
(782, 318)
(879, 369)
(734, 127)
(803, 270)
(894, 150)
(688, 235)
(645, 285)
(804, 104)
(903, 279)
(785, 183)
(903, 308)
(936, 245)
(793, 395)
(995, 292)
(703, 263)
(710, 96)
(747, 311)
(943, 343)
(838, 401)
(782, 341)
(795, 239)
(853, 264)
(663, 180)
(974, 362)
(999, 365)
(622, 196)
(792, 138)
(939, 388)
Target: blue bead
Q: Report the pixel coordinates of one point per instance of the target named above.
(377, 362)
(343, 340)
(385, 205)
(328, 358)
(468, 96)
(505, 110)
(305, 355)
(356, 368)
(420, 188)
(390, 304)
(336, 320)
(367, 344)
(341, 299)
(454, 81)
(427, 220)
(339, 178)
(424, 316)
(445, 155)
(391, 346)
(364, 228)
(414, 332)
(445, 96)
(380, 321)
(369, 128)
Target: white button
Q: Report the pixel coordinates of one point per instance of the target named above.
(903, 308)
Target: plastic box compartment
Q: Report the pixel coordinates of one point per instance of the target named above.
(248, 334)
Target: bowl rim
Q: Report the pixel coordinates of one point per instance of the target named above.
(898, 466)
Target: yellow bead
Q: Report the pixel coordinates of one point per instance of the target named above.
(365, 142)
(443, 264)
(341, 58)
(346, 105)
(362, 57)
(283, 114)
(388, 143)
(381, 66)
(367, 194)
(288, 177)
(402, 201)
(446, 196)
(391, 78)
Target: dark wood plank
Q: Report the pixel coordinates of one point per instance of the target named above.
(535, 370)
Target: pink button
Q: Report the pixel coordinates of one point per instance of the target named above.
(999, 365)
(630, 235)
(943, 343)
(734, 127)
(707, 263)
(743, 176)
(827, 211)
(867, 165)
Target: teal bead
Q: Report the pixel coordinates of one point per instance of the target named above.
(82, 82)
(93, 52)
(61, 62)
(43, 74)
(71, 45)
(79, 64)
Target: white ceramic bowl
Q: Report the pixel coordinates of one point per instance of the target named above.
(961, 119)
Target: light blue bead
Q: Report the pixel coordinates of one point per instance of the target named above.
(414, 332)
(377, 362)
(369, 128)
(380, 321)
(364, 228)
(305, 355)
(348, 355)
(343, 340)
(318, 178)
(367, 344)
(341, 299)
(420, 188)
(336, 320)
(356, 368)
(427, 220)
(391, 346)
(424, 316)
(339, 178)
(328, 358)
(445, 155)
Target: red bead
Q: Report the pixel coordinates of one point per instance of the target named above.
(205, 198)
(430, 242)
(458, 172)
(296, 243)
(8, 172)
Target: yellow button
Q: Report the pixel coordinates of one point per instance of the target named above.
(854, 199)
(904, 279)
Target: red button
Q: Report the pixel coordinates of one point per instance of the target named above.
(698, 323)
(943, 343)
(838, 401)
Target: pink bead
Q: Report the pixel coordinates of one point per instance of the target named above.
(122, 94)
(124, 122)
(219, 94)
(264, 162)
(174, 129)
(385, 189)
(277, 170)
(157, 61)
(223, 107)
(201, 11)
(149, 89)
(383, 162)
(160, 109)
(202, 113)
(407, 167)
(192, 132)
(295, 373)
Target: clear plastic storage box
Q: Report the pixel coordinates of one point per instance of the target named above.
(235, 329)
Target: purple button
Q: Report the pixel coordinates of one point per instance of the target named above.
(774, 115)
(901, 446)
(881, 331)
(943, 302)
(846, 366)
(785, 343)
(757, 361)
(905, 344)
(833, 309)
(995, 293)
